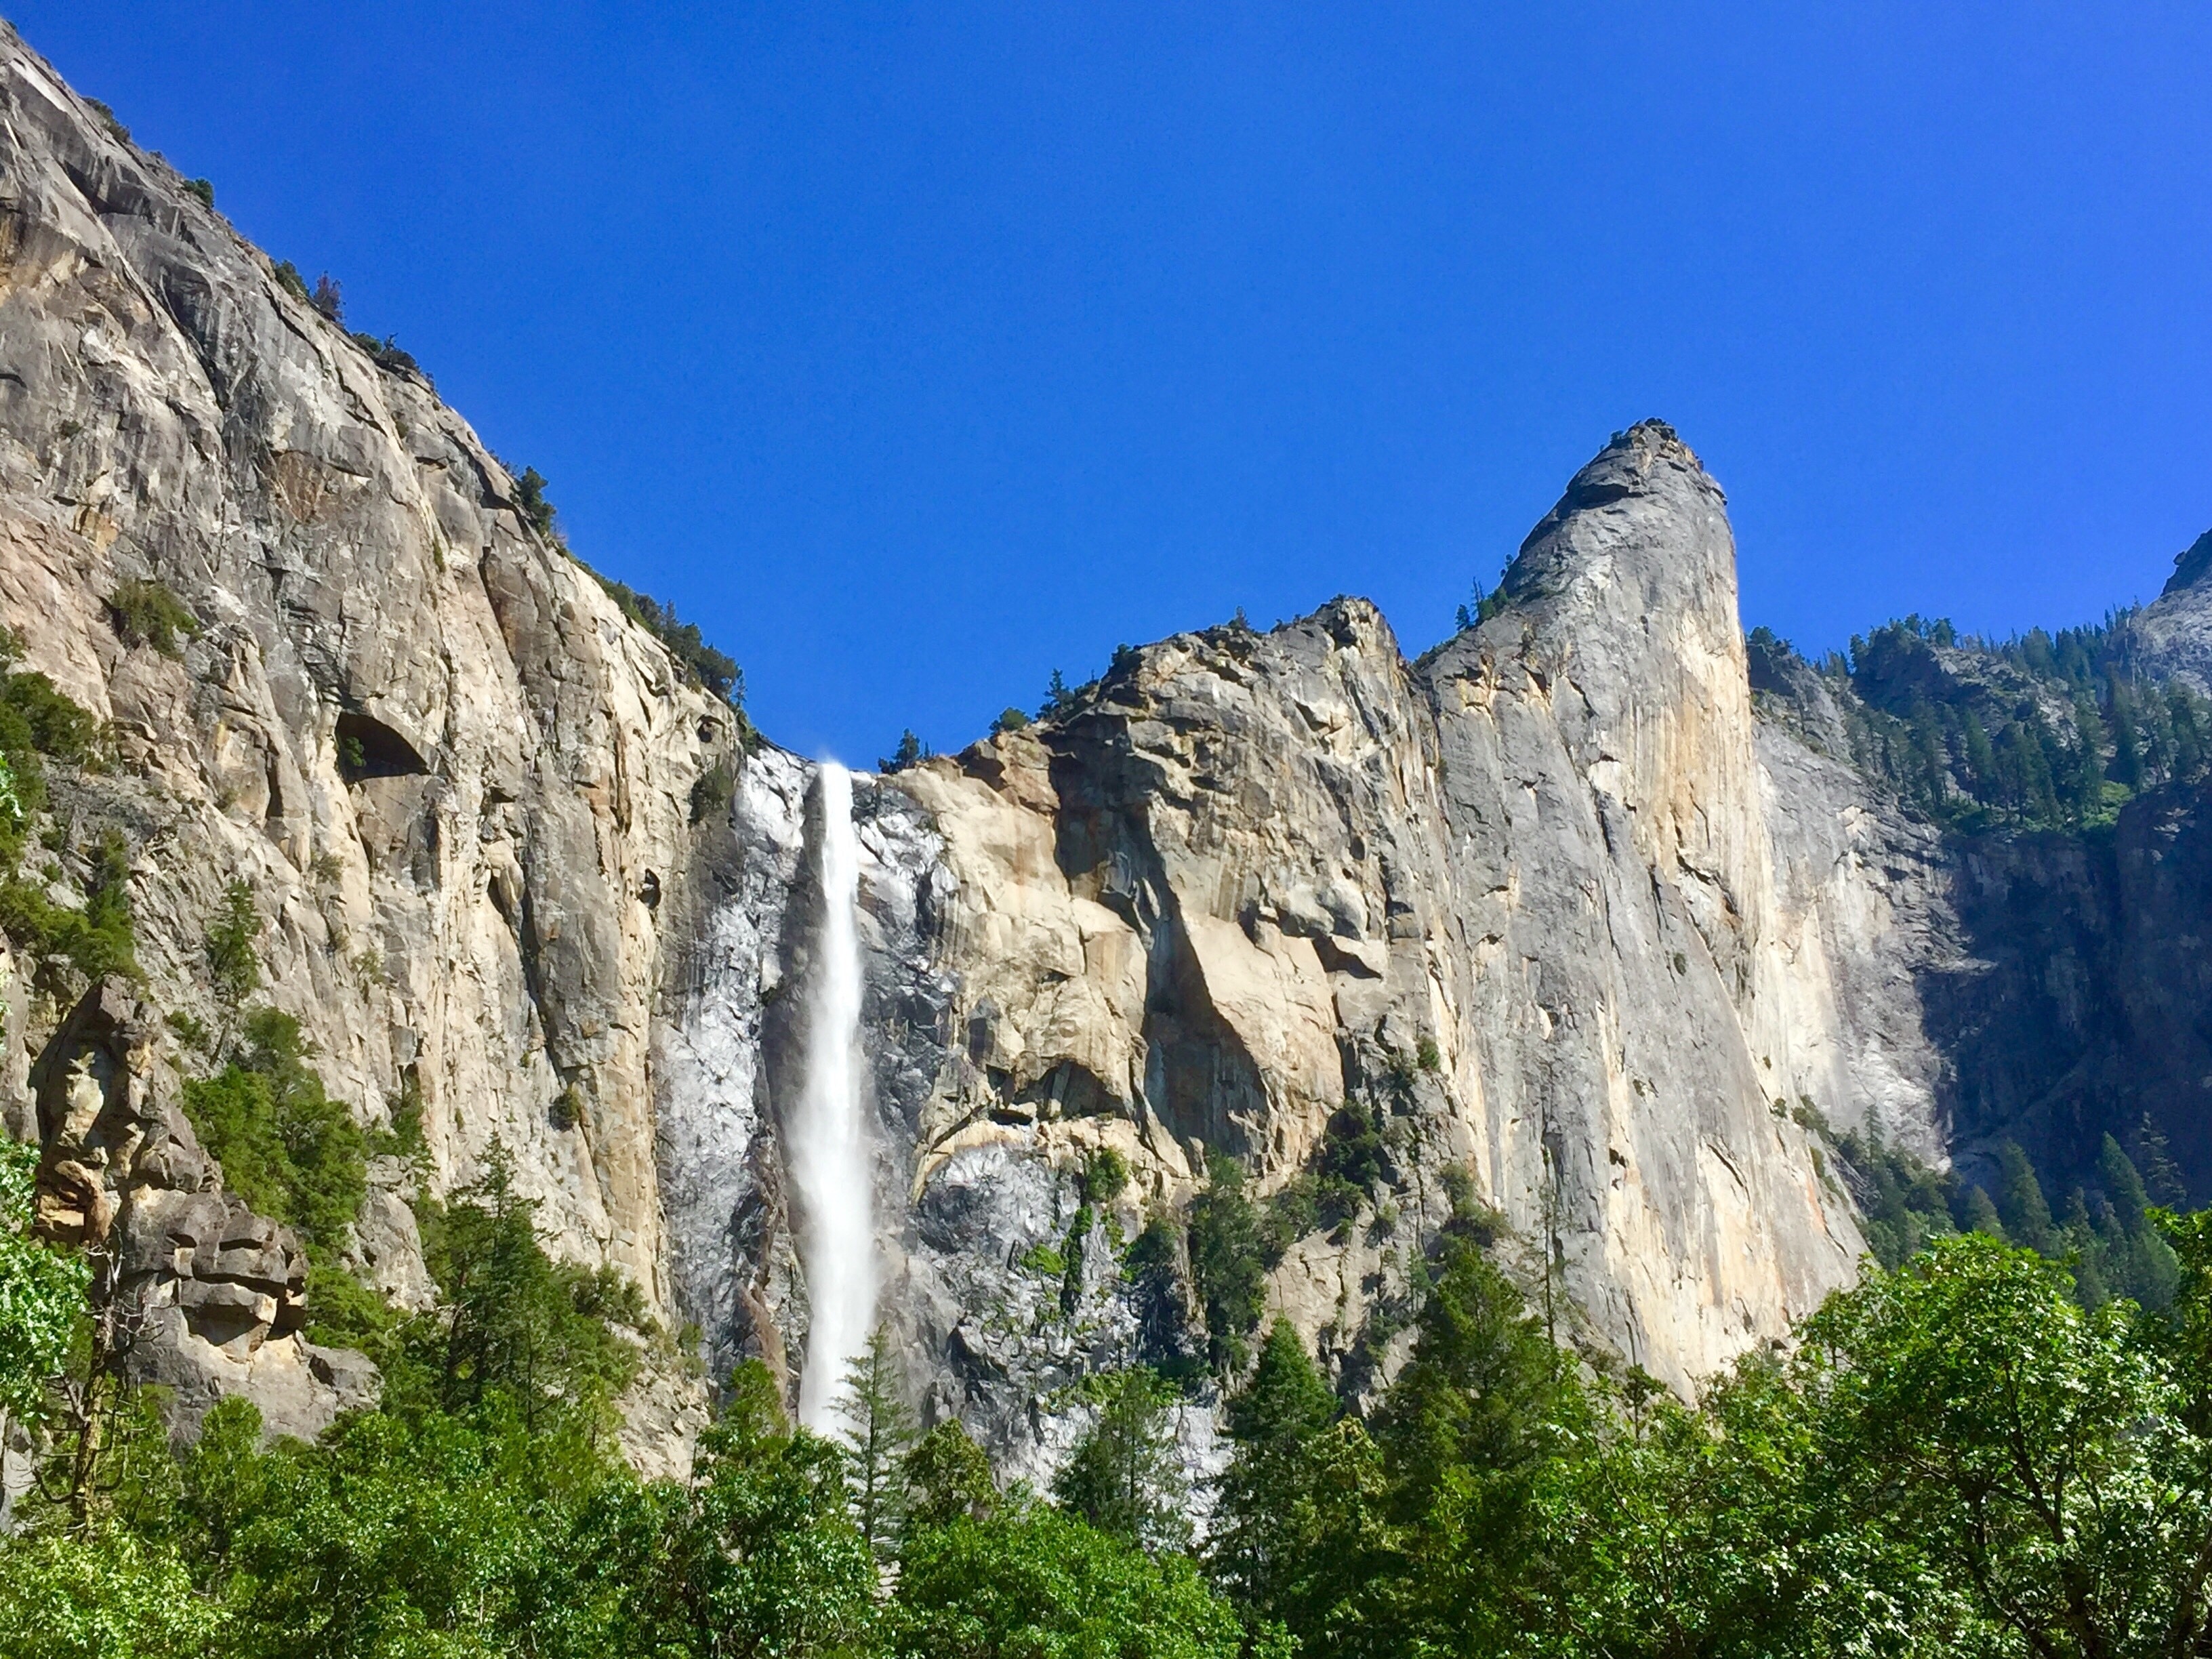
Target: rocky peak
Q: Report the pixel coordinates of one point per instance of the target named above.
(1603, 517)
(2191, 566)
(2171, 638)
(1622, 604)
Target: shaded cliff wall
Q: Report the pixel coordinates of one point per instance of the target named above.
(2080, 1006)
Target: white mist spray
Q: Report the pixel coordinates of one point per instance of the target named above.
(829, 1147)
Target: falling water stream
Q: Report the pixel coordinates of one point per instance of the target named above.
(829, 1149)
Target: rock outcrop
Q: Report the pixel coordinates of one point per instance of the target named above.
(212, 1296)
(2171, 638)
(1520, 905)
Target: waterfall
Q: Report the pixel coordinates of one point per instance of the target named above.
(829, 1147)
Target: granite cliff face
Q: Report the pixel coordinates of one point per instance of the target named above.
(1571, 920)
(457, 781)
(1544, 908)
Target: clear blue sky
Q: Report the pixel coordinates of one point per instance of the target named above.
(915, 351)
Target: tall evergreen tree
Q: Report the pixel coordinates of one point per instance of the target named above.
(2020, 1201)
(1264, 1534)
(1124, 1476)
(879, 1432)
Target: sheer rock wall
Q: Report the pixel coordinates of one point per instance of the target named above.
(456, 779)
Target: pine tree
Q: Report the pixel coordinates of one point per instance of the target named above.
(2091, 1285)
(1981, 1215)
(2161, 1176)
(1124, 1476)
(2143, 1267)
(2020, 1201)
(1057, 696)
(1263, 1534)
(879, 1432)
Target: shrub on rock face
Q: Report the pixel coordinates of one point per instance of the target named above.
(233, 963)
(148, 613)
(97, 939)
(286, 1147)
(712, 794)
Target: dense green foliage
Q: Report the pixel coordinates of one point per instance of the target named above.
(1955, 1458)
(148, 613)
(40, 1291)
(479, 1509)
(2105, 1235)
(1033, 1582)
(40, 727)
(2041, 732)
(292, 1152)
(95, 938)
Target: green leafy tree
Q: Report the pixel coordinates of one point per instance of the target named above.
(2016, 1449)
(948, 1478)
(768, 1560)
(114, 1597)
(391, 1535)
(1033, 1582)
(285, 1145)
(41, 1293)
